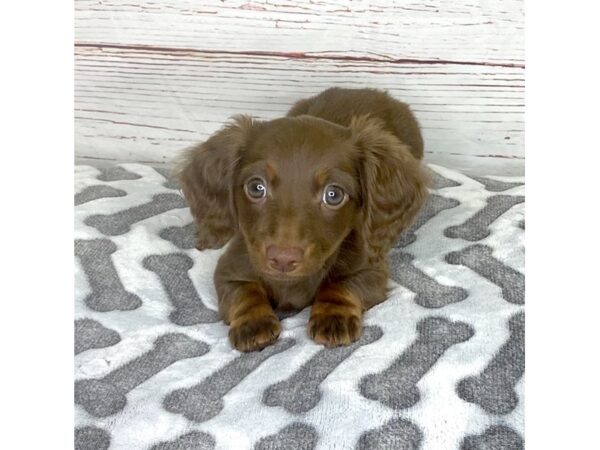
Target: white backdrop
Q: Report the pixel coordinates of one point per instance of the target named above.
(153, 77)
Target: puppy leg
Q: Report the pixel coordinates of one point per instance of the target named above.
(336, 316)
(252, 323)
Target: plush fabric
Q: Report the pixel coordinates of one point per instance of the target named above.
(440, 364)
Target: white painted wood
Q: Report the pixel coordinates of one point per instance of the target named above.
(455, 30)
(146, 105)
(152, 78)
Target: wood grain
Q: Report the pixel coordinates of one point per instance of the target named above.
(473, 31)
(152, 78)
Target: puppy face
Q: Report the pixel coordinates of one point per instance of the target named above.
(297, 195)
(295, 187)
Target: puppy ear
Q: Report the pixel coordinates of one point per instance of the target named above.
(206, 174)
(394, 185)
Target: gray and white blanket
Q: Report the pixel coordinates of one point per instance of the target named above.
(440, 364)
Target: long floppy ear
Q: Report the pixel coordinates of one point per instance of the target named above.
(394, 185)
(206, 174)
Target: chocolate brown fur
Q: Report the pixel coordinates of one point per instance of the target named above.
(362, 140)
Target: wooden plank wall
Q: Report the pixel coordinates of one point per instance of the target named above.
(153, 77)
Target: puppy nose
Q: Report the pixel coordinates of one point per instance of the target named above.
(284, 259)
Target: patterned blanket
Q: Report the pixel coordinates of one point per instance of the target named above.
(440, 364)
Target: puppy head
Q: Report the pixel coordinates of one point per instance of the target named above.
(295, 188)
(297, 195)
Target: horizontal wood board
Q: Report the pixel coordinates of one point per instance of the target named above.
(152, 78)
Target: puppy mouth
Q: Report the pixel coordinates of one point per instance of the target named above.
(282, 276)
(297, 274)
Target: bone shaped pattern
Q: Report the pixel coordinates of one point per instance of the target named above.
(440, 363)
(170, 182)
(494, 437)
(493, 389)
(95, 192)
(398, 434)
(91, 438)
(180, 236)
(91, 334)
(193, 440)
(296, 435)
(172, 271)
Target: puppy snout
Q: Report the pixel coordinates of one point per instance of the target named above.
(284, 259)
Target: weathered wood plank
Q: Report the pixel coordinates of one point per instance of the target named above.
(146, 105)
(478, 32)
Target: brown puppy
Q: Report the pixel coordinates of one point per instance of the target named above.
(311, 204)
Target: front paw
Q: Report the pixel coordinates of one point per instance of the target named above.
(332, 330)
(254, 333)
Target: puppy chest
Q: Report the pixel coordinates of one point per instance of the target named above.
(291, 297)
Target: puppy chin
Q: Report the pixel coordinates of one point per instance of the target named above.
(297, 274)
(273, 275)
(269, 272)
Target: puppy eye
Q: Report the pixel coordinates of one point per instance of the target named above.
(256, 188)
(334, 196)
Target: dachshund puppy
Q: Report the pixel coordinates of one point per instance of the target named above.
(310, 205)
